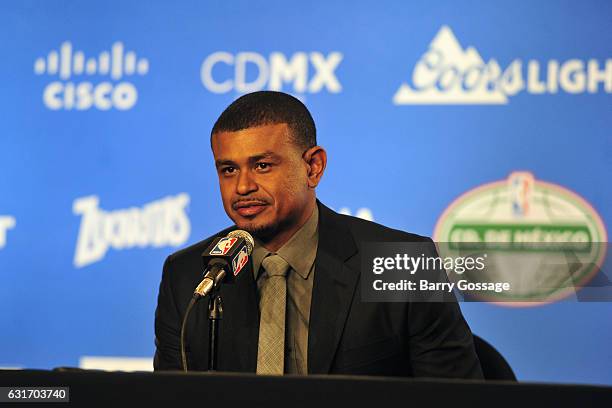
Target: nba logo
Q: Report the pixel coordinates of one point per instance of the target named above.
(223, 246)
(520, 186)
(240, 260)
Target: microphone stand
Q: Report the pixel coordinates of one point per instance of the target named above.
(215, 314)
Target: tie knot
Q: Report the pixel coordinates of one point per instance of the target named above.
(275, 265)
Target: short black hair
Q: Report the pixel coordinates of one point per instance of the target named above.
(268, 108)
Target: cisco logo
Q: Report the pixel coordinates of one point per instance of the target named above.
(69, 93)
(244, 72)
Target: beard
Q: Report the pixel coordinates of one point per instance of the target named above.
(261, 231)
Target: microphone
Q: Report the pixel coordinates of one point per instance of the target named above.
(224, 258)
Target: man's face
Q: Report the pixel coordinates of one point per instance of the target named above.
(263, 178)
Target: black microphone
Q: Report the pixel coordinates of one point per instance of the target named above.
(224, 258)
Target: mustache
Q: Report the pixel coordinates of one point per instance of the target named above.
(248, 202)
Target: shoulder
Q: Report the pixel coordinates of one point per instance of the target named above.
(344, 234)
(369, 229)
(364, 230)
(192, 255)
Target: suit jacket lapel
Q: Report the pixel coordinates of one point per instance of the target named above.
(333, 290)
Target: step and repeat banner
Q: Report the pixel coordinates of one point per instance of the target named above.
(472, 120)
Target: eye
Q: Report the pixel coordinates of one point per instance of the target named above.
(228, 170)
(262, 166)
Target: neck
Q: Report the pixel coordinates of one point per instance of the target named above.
(279, 239)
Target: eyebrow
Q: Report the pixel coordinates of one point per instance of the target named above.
(252, 159)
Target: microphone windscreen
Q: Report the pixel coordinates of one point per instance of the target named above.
(246, 236)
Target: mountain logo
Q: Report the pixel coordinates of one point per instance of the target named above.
(449, 75)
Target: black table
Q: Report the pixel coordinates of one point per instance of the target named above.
(91, 387)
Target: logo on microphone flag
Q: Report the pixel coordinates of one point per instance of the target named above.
(240, 260)
(223, 246)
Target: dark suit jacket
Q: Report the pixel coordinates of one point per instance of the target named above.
(346, 336)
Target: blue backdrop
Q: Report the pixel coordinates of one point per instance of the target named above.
(106, 167)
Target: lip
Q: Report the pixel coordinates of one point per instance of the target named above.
(247, 209)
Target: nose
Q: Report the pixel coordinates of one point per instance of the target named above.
(245, 183)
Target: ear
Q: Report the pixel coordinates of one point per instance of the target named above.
(316, 160)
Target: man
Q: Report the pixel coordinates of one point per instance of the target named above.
(297, 307)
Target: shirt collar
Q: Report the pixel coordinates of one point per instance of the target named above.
(299, 252)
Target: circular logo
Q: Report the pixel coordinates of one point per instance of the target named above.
(543, 239)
